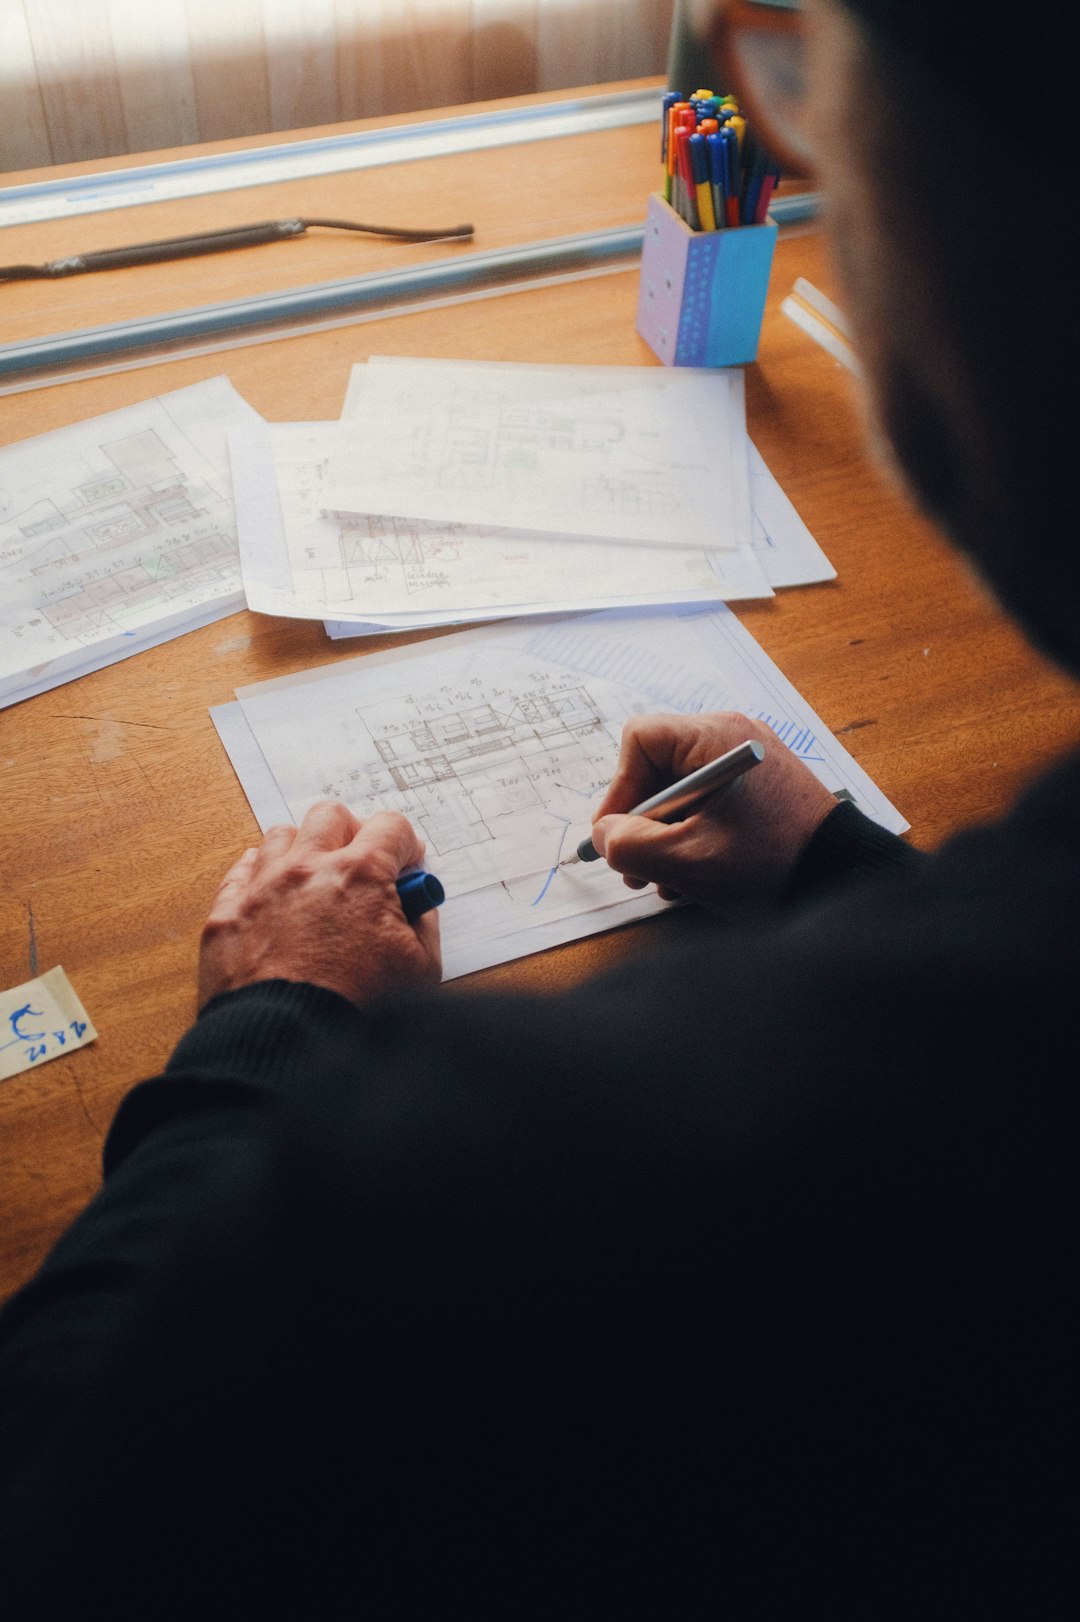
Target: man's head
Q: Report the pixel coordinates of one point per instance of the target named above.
(948, 166)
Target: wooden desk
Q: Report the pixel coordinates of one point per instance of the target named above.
(121, 810)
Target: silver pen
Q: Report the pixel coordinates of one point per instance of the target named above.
(689, 791)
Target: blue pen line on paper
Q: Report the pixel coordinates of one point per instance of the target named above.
(801, 740)
(555, 869)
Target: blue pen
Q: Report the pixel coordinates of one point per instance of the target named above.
(699, 168)
(668, 102)
(714, 151)
(752, 191)
(731, 173)
(418, 892)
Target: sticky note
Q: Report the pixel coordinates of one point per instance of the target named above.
(39, 1021)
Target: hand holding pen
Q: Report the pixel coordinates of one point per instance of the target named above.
(339, 902)
(736, 845)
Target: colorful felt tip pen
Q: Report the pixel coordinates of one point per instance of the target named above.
(699, 165)
(418, 892)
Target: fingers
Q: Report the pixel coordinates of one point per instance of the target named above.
(644, 852)
(380, 847)
(230, 891)
(327, 826)
(276, 842)
(657, 750)
(386, 843)
(645, 753)
(240, 870)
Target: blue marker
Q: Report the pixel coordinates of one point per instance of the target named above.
(714, 151)
(418, 892)
(667, 104)
(731, 173)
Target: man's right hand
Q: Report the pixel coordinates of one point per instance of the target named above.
(740, 846)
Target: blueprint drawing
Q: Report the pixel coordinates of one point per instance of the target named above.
(499, 743)
(300, 560)
(649, 454)
(114, 527)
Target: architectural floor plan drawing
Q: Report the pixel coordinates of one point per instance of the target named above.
(495, 781)
(631, 453)
(298, 559)
(498, 745)
(114, 527)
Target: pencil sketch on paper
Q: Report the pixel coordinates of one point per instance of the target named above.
(139, 531)
(492, 774)
(300, 559)
(476, 455)
(357, 558)
(116, 530)
(498, 744)
(646, 454)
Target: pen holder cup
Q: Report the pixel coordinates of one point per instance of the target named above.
(702, 293)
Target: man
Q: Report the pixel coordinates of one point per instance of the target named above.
(737, 1282)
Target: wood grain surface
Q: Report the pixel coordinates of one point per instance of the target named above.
(120, 809)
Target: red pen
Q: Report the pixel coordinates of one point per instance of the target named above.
(686, 175)
(768, 186)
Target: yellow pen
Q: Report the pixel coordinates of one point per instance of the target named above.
(699, 169)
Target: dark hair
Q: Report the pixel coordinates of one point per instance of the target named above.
(987, 434)
(1029, 59)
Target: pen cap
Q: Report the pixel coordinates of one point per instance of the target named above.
(418, 893)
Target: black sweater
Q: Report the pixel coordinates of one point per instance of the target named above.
(737, 1282)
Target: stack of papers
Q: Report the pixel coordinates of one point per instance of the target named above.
(448, 492)
(498, 744)
(116, 534)
(453, 491)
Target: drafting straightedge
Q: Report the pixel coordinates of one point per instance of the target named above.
(323, 155)
(116, 534)
(498, 743)
(631, 453)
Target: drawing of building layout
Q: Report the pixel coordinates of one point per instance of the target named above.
(499, 743)
(459, 774)
(108, 546)
(474, 455)
(492, 773)
(117, 524)
(369, 566)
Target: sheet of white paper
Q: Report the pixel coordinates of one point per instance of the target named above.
(41, 1020)
(298, 560)
(643, 453)
(499, 742)
(784, 547)
(116, 533)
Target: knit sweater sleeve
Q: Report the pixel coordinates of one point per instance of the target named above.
(849, 847)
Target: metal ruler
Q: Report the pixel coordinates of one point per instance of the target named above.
(461, 276)
(324, 155)
(277, 314)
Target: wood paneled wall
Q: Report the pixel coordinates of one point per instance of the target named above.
(91, 78)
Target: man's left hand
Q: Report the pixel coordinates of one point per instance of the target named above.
(319, 903)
